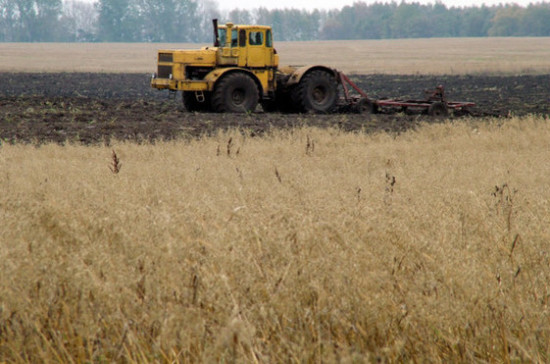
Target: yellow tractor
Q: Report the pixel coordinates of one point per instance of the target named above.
(242, 70)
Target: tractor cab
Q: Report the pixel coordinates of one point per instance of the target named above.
(248, 46)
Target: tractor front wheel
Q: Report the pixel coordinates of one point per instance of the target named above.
(236, 92)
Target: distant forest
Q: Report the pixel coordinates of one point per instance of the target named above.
(189, 21)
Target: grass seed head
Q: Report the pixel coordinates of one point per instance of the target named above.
(115, 163)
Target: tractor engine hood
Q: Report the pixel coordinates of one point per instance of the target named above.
(201, 57)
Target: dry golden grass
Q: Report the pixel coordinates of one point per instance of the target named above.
(410, 56)
(302, 246)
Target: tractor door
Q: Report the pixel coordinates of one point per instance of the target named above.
(260, 48)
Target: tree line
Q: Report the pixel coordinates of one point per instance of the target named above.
(189, 21)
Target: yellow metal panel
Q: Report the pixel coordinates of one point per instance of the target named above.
(178, 71)
(213, 76)
(193, 86)
(257, 51)
(228, 56)
(298, 73)
(256, 57)
(163, 83)
(203, 56)
(243, 56)
(160, 83)
(264, 78)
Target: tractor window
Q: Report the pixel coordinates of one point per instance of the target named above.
(256, 38)
(234, 40)
(242, 38)
(268, 39)
(222, 33)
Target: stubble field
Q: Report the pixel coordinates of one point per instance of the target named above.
(443, 56)
(133, 231)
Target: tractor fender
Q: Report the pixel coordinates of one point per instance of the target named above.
(298, 73)
(216, 75)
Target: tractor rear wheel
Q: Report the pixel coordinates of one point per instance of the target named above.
(317, 92)
(236, 92)
(192, 104)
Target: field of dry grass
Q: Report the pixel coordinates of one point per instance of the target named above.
(401, 56)
(306, 245)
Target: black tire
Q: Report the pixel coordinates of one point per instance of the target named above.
(365, 106)
(192, 104)
(438, 110)
(317, 92)
(236, 92)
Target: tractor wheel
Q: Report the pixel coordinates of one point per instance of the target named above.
(192, 104)
(438, 110)
(236, 92)
(316, 92)
(365, 106)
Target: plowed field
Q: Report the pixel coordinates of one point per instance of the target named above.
(99, 107)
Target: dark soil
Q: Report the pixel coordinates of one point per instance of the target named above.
(91, 108)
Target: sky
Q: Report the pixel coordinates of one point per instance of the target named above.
(281, 4)
(338, 4)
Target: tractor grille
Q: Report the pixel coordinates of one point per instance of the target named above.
(164, 71)
(166, 57)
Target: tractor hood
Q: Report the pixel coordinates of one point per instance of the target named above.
(198, 57)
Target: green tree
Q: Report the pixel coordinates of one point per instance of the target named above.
(377, 21)
(442, 23)
(7, 20)
(291, 24)
(411, 21)
(476, 21)
(117, 20)
(536, 20)
(206, 11)
(30, 20)
(333, 29)
(506, 21)
(240, 16)
(167, 20)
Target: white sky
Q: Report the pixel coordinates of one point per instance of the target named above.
(338, 4)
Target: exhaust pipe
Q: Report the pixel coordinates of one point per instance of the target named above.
(216, 34)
